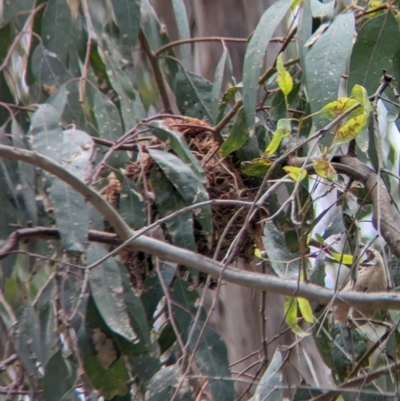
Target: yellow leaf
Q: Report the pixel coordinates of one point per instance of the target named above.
(295, 4)
(284, 79)
(350, 130)
(283, 129)
(295, 173)
(305, 309)
(257, 253)
(324, 169)
(374, 4)
(345, 258)
(359, 93)
(290, 309)
(256, 168)
(337, 107)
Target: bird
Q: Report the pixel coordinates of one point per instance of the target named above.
(371, 277)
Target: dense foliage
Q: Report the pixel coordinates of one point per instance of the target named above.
(131, 186)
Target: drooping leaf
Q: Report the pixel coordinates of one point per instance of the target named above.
(27, 175)
(360, 94)
(238, 136)
(305, 309)
(217, 85)
(373, 52)
(350, 130)
(284, 129)
(295, 173)
(326, 62)
(71, 216)
(59, 378)
(255, 54)
(270, 386)
(45, 133)
(185, 304)
(342, 258)
(256, 168)
(178, 144)
(107, 291)
(188, 186)
(152, 288)
(164, 383)
(284, 263)
(284, 79)
(132, 206)
(182, 24)
(193, 95)
(211, 358)
(76, 152)
(128, 15)
(56, 28)
(324, 168)
(337, 107)
(109, 382)
(168, 200)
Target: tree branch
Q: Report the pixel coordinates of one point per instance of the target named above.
(187, 258)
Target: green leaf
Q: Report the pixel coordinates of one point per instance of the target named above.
(71, 216)
(132, 206)
(211, 358)
(167, 338)
(238, 136)
(168, 200)
(217, 85)
(373, 52)
(256, 168)
(164, 383)
(107, 291)
(193, 95)
(185, 301)
(290, 310)
(27, 175)
(56, 28)
(182, 24)
(28, 343)
(49, 335)
(45, 133)
(76, 152)
(254, 56)
(152, 291)
(109, 382)
(59, 378)
(270, 386)
(284, 263)
(326, 62)
(179, 145)
(127, 13)
(305, 309)
(284, 128)
(360, 94)
(188, 186)
(284, 79)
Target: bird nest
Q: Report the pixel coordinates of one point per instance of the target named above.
(223, 181)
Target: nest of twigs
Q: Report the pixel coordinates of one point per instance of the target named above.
(223, 181)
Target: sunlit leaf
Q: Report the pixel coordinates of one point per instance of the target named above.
(284, 79)
(342, 258)
(359, 93)
(295, 173)
(337, 107)
(283, 129)
(305, 309)
(350, 130)
(256, 167)
(324, 168)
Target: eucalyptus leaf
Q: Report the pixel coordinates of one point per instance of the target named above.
(266, 27)
(71, 216)
(325, 64)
